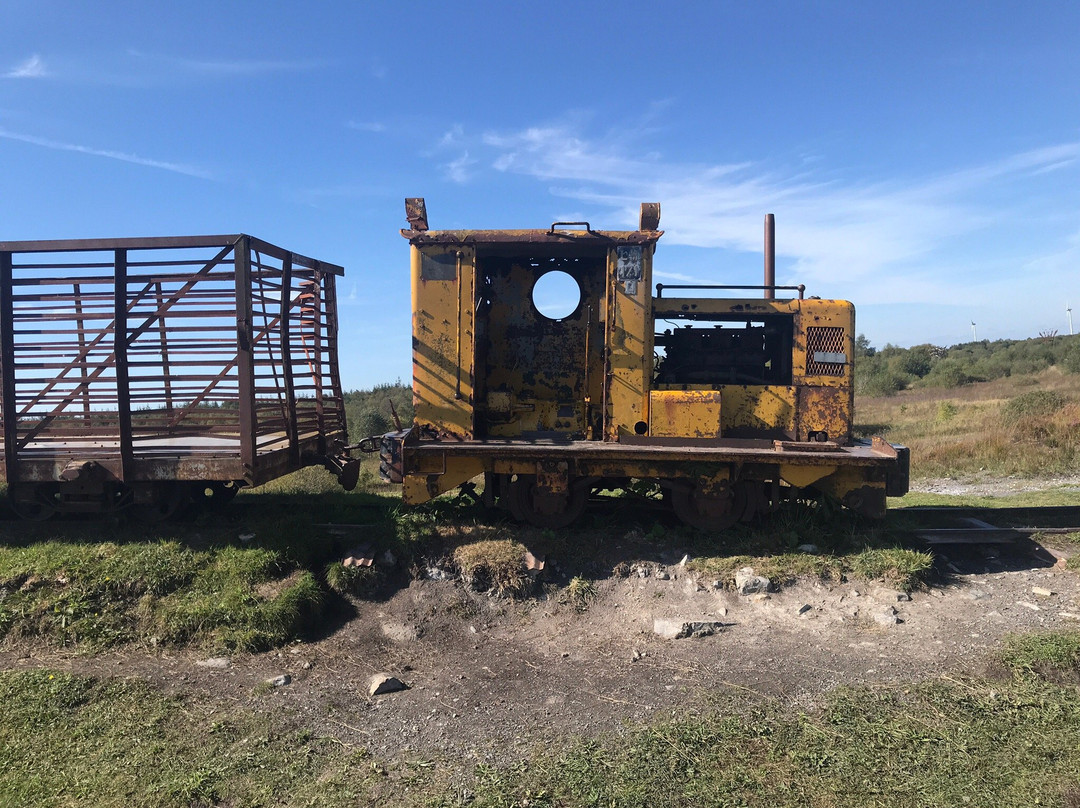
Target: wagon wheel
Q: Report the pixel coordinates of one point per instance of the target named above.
(710, 512)
(164, 501)
(527, 503)
(33, 502)
(216, 494)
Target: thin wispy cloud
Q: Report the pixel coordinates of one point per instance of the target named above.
(229, 67)
(460, 170)
(452, 136)
(176, 168)
(833, 231)
(32, 68)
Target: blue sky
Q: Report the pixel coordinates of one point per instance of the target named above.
(922, 159)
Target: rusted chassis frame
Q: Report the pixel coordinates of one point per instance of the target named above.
(167, 369)
(710, 486)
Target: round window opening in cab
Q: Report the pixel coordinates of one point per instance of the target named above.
(556, 294)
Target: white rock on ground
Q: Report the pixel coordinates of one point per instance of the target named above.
(886, 617)
(747, 582)
(673, 628)
(382, 683)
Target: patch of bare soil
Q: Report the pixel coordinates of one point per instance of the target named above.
(488, 679)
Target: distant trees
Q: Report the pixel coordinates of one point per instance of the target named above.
(891, 369)
(367, 412)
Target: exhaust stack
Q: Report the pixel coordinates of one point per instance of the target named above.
(770, 257)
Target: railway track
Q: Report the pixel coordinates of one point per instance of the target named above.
(944, 525)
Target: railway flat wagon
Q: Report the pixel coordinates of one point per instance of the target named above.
(150, 373)
(728, 402)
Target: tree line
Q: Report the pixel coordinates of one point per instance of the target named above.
(891, 369)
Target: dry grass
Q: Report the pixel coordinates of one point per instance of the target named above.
(998, 428)
(496, 565)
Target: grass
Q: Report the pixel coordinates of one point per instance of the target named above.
(1049, 653)
(896, 566)
(495, 565)
(581, 592)
(103, 594)
(68, 740)
(72, 740)
(1027, 426)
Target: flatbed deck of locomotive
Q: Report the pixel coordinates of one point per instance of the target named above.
(720, 450)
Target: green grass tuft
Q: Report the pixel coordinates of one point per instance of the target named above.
(1044, 652)
(580, 592)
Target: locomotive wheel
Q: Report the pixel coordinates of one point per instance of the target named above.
(33, 502)
(710, 512)
(164, 501)
(527, 503)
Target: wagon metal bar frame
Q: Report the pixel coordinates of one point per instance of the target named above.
(120, 346)
(8, 407)
(101, 356)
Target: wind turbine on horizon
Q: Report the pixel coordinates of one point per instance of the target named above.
(974, 333)
(1068, 313)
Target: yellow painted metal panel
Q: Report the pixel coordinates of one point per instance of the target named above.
(420, 487)
(801, 476)
(824, 314)
(828, 410)
(685, 414)
(629, 339)
(443, 282)
(768, 409)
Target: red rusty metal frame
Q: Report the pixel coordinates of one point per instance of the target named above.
(241, 383)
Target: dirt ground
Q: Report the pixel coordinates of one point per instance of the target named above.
(489, 679)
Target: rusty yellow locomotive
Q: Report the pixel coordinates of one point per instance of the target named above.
(729, 403)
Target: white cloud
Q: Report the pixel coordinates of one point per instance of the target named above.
(177, 168)
(458, 170)
(452, 136)
(32, 68)
(902, 235)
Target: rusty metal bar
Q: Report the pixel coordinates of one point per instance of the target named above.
(660, 287)
(460, 290)
(133, 336)
(81, 328)
(297, 259)
(245, 346)
(120, 346)
(770, 257)
(224, 372)
(600, 238)
(111, 244)
(285, 319)
(164, 352)
(330, 298)
(320, 411)
(551, 232)
(8, 407)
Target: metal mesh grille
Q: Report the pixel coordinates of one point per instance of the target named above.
(829, 340)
